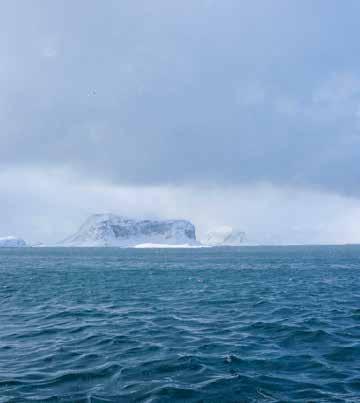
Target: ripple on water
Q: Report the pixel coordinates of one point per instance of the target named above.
(249, 325)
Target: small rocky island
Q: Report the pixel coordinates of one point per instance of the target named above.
(11, 242)
(225, 236)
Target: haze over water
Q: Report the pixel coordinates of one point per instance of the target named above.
(264, 324)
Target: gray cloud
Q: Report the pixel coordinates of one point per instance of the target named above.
(183, 92)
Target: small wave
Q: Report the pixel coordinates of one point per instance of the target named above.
(207, 325)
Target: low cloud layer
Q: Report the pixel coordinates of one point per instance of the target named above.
(51, 206)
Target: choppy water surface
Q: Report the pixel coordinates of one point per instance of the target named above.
(217, 325)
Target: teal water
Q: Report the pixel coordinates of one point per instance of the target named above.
(252, 324)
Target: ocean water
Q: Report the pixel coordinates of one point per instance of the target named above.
(251, 324)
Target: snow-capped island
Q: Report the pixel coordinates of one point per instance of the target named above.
(224, 236)
(113, 230)
(11, 242)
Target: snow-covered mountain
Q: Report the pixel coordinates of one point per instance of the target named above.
(113, 230)
(11, 242)
(224, 236)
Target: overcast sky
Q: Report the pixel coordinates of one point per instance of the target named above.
(243, 113)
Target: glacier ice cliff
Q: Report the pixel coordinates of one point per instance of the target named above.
(11, 242)
(114, 230)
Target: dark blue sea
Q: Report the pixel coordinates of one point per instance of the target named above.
(250, 324)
